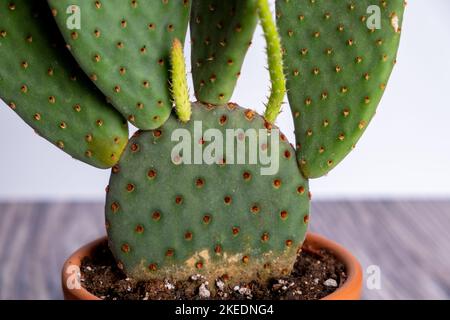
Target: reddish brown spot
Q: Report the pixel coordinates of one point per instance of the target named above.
(288, 243)
(157, 133)
(77, 108)
(218, 248)
(277, 183)
(156, 215)
(310, 195)
(125, 248)
(283, 137)
(254, 209)
(134, 147)
(223, 119)
(235, 230)
(268, 125)
(188, 235)
(107, 189)
(115, 207)
(306, 218)
(99, 123)
(199, 265)
(151, 174)
(153, 267)
(249, 114)
(199, 183)
(247, 176)
(169, 252)
(178, 199)
(207, 219)
(139, 229)
(107, 224)
(266, 265)
(265, 237)
(227, 200)
(287, 154)
(283, 214)
(245, 259)
(130, 187)
(301, 190)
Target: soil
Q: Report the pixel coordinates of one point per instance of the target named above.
(316, 274)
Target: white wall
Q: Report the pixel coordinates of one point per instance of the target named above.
(405, 152)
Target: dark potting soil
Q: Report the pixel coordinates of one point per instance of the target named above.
(316, 274)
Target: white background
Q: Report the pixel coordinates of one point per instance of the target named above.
(404, 153)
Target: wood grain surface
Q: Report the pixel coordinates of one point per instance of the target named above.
(408, 240)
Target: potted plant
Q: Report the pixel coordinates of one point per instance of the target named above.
(207, 200)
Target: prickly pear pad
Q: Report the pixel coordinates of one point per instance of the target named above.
(42, 83)
(221, 33)
(338, 57)
(124, 47)
(170, 219)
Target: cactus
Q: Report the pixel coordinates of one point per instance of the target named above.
(166, 218)
(207, 187)
(179, 87)
(169, 215)
(124, 47)
(337, 63)
(40, 82)
(221, 32)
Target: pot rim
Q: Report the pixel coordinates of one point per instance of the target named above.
(350, 290)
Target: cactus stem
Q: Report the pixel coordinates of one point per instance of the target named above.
(179, 87)
(275, 62)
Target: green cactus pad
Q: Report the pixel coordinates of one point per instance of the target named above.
(171, 219)
(221, 32)
(42, 83)
(337, 64)
(124, 47)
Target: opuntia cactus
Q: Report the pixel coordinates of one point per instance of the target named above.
(338, 56)
(42, 83)
(207, 187)
(166, 218)
(171, 213)
(221, 33)
(124, 47)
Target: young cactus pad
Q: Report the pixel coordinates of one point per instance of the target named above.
(168, 218)
(221, 33)
(41, 82)
(124, 47)
(338, 58)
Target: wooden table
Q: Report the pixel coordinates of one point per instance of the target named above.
(408, 240)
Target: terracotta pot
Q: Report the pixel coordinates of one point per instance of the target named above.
(351, 290)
